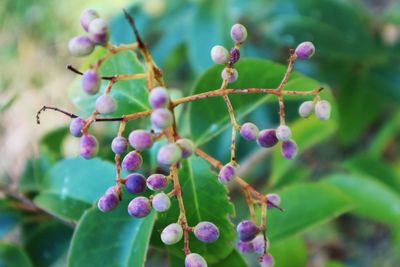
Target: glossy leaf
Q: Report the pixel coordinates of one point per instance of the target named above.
(293, 246)
(13, 256)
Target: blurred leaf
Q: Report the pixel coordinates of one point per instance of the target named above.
(12, 256)
(233, 260)
(293, 246)
(8, 103)
(52, 142)
(9, 218)
(334, 264)
(384, 135)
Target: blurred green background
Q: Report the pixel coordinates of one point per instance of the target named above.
(357, 57)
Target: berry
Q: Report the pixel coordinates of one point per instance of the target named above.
(135, 183)
(98, 31)
(305, 50)
(245, 247)
(140, 139)
(266, 261)
(234, 55)
(156, 182)
(249, 131)
(119, 145)
(230, 76)
(161, 202)
(306, 108)
(227, 173)
(132, 161)
(88, 146)
(267, 138)
(323, 110)
(195, 260)
(219, 54)
(90, 82)
(169, 154)
(247, 230)
(80, 46)
(161, 118)
(76, 126)
(283, 133)
(108, 202)
(159, 98)
(238, 33)
(206, 232)
(139, 207)
(273, 198)
(259, 244)
(172, 234)
(87, 16)
(289, 149)
(186, 146)
(105, 104)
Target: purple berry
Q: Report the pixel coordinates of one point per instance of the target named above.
(88, 146)
(161, 118)
(283, 133)
(273, 198)
(119, 145)
(139, 207)
(135, 183)
(247, 230)
(98, 31)
(186, 146)
(267, 261)
(87, 16)
(132, 161)
(206, 232)
(238, 33)
(105, 104)
(90, 82)
(157, 182)
(141, 139)
(161, 202)
(245, 247)
(195, 260)
(227, 173)
(259, 244)
(306, 108)
(234, 55)
(249, 131)
(229, 74)
(289, 149)
(267, 138)
(76, 126)
(323, 110)
(219, 54)
(159, 98)
(305, 50)
(108, 202)
(169, 154)
(172, 234)
(80, 46)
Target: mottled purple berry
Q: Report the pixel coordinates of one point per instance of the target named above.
(132, 161)
(80, 46)
(87, 16)
(259, 244)
(195, 260)
(267, 138)
(231, 75)
(88, 146)
(245, 247)
(238, 33)
(247, 230)
(106, 104)
(108, 202)
(139, 207)
(306, 108)
(157, 182)
(283, 133)
(273, 198)
(267, 260)
(159, 98)
(206, 232)
(249, 131)
(90, 82)
(169, 154)
(135, 183)
(98, 31)
(227, 173)
(76, 126)
(289, 149)
(305, 50)
(172, 234)
(141, 139)
(234, 55)
(323, 110)
(161, 202)
(219, 54)
(119, 145)
(187, 147)
(161, 118)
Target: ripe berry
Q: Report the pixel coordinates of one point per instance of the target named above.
(273, 198)
(206, 232)
(323, 110)
(90, 82)
(161, 118)
(227, 173)
(259, 244)
(238, 33)
(88, 146)
(245, 247)
(141, 139)
(159, 98)
(305, 50)
(135, 183)
(98, 31)
(105, 104)
(80, 46)
(169, 154)
(266, 261)
(234, 55)
(132, 161)
(87, 16)
(76, 126)
(283, 133)
(139, 207)
(195, 260)
(119, 145)
(267, 138)
(172, 234)
(249, 131)
(108, 202)
(157, 182)
(219, 54)
(306, 108)
(289, 149)
(186, 146)
(161, 202)
(230, 76)
(247, 230)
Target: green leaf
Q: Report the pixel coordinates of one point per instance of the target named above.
(52, 142)
(12, 256)
(293, 246)
(111, 239)
(384, 135)
(233, 260)
(9, 217)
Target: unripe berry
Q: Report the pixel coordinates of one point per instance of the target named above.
(273, 198)
(157, 182)
(247, 230)
(132, 161)
(135, 183)
(259, 244)
(98, 31)
(108, 202)
(206, 232)
(169, 154)
(227, 173)
(238, 33)
(141, 139)
(234, 55)
(172, 234)
(289, 149)
(76, 126)
(323, 110)
(80, 46)
(267, 138)
(305, 50)
(187, 147)
(219, 54)
(231, 77)
(88, 146)
(161, 118)
(119, 145)
(195, 260)
(306, 108)
(245, 247)
(90, 82)
(249, 131)
(283, 133)
(161, 202)
(267, 261)
(87, 16)
(105, 104)
(139, 207)
(159, 98)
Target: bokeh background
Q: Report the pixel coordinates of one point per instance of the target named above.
(358, 57)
